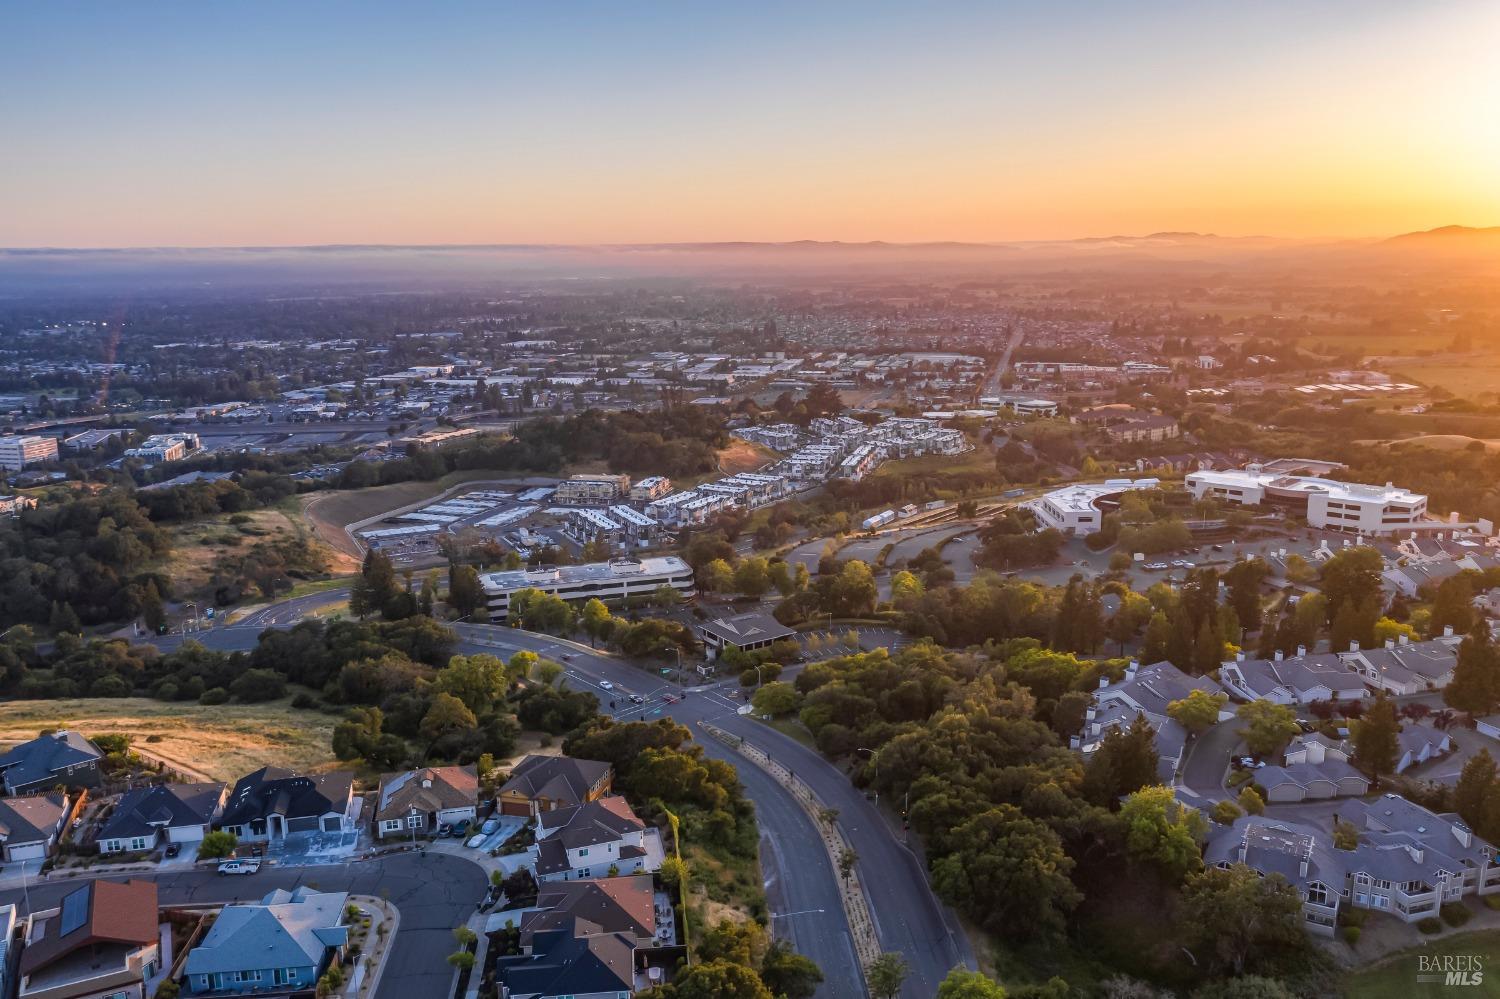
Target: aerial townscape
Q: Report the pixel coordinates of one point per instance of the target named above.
(944, 501)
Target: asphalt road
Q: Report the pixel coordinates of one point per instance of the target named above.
(908, 917)
(433, 892)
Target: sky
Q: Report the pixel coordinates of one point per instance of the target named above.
(293, 123)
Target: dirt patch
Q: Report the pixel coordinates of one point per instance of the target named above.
(224, 742)
(743, 456)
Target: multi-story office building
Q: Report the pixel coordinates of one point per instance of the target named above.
(1340, 506)
(615, 580)
(18, 452)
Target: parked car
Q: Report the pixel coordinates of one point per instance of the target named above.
(239, 867)
(173, 849)
(444, 829)
(475, 841)
(490, 825)
(460, 828)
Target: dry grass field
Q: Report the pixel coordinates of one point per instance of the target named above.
(196, 545)
(743, 456)
(224, 742)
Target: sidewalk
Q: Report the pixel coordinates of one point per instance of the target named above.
(377, 946)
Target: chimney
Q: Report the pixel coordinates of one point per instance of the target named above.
(1103, 682)
(1447, 631)
(1278, 655)
(1301, 651)
(1239, 657)
(426, 781)
(1390, 643)
(1403, 639)
(1302, 865)
(1130, 670)
(1353, 646)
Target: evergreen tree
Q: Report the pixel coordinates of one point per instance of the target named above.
(1208, 650)
(1154, 646)
(65, 619)
(152, 611)
(1475, 784)
(1375, 738)
(1344, 628)
(1475, 686)
(1125, 761)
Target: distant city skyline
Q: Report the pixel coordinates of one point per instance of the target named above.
(179, 124)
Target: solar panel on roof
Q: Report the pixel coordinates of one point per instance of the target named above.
(75, 912)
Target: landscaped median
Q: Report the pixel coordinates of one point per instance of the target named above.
(851, 891)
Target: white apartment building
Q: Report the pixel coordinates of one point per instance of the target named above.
(18, 452)
(1326, 504)
(614, 580)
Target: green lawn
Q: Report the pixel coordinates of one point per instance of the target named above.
(1396, 978)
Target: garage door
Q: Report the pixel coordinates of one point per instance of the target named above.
(514, 808)
(309, 824)
(333, 823)
(27, 851)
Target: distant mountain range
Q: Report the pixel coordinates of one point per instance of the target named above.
(1453, 249)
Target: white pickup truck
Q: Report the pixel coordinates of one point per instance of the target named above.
(239, 867)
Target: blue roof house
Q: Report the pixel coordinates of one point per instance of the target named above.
(285, 941)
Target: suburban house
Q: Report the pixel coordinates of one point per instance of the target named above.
(745, 632)
(597, 839)
(1419, 743)
(1403, 666)
(1145, 691)
(419, 801)
(272, 802)
(582, 938)
(1299, 679)
(64, 759)
(102, 941)
(30, 826)
(148, 817)
(1314, 766)
(541, 783)
(1408, 861)
(280, 944)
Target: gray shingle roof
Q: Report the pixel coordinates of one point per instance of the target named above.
(146, 809)
(46, 755)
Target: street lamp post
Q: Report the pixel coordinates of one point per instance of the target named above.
(678, 650)
(874, 767)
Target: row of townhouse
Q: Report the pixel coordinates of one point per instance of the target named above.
(1408, 861)
(1399, 667)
